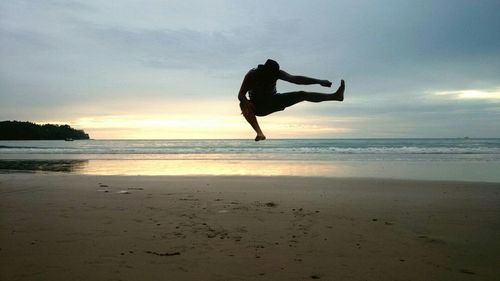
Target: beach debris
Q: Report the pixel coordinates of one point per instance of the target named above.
(103, 185)
(166, 254)
(374, 219)
(123, 192)
(103, 190)
(315, 277)
(271, 204)
(388, 223)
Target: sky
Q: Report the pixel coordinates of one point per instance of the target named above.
(173, 69)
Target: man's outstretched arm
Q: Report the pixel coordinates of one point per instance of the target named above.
(302, 80)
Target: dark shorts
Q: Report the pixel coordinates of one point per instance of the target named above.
(275, 102)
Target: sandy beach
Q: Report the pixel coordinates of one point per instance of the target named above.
(78, 227)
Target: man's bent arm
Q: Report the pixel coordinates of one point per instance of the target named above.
(247, 109)
(242, 95)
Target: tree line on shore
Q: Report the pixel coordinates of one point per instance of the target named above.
(18, 130)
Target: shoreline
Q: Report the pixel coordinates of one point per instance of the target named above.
(469, 171)
(66, 226)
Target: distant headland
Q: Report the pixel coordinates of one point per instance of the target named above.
(17, 130)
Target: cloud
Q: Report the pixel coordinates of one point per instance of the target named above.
(493, 94)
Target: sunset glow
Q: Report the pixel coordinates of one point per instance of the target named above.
(199, 127)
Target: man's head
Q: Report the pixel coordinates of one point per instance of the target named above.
(272, 66)
(270, 69)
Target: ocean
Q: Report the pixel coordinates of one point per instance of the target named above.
(466, 159)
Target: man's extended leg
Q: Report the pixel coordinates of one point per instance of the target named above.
(252, 120)
(299, 96)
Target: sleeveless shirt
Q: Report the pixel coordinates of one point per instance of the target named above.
(261, 85)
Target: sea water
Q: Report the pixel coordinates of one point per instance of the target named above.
(441, 159)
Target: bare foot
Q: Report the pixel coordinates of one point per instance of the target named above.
(339, 94)
(260, 137)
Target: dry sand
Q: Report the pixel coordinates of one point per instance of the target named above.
(73, 227)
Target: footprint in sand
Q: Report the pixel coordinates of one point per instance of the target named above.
(465, 271)
(431, 240)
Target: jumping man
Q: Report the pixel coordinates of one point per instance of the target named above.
(260, 83)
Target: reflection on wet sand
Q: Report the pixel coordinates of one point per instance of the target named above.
(209, 167)
(170, 167)
(466, 171)
(42, 165)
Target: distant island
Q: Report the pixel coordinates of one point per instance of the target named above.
(17, 130)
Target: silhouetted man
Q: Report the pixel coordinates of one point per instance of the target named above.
(260, 83)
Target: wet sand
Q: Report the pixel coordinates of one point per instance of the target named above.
(77, 227)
